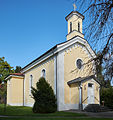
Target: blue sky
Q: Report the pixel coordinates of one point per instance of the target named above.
(28, 28)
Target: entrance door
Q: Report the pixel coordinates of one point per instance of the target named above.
(90, 93)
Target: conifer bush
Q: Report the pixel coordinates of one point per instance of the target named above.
(45, 101)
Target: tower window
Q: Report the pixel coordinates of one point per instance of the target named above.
(70, 26)
(78, 27)
(43, 73)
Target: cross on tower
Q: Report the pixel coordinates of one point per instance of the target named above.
(74, 6)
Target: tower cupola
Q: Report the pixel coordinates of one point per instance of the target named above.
(74, 20)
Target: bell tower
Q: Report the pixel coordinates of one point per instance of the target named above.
(74, 20)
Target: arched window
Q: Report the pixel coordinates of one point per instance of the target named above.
(31, 80)
(70, 26)
(78, 26)
(43, 73)
(30, 83)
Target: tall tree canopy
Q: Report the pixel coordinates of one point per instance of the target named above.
(18, 69)
(5, 69)
(98, 29)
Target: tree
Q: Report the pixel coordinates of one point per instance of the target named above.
(99, 31)
(107, 96)
(100, 76)
(18, 69)
(45, 101)
(5, 69)
(3, 92)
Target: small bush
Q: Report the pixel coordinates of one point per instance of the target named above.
(45, 101)
(107, 96)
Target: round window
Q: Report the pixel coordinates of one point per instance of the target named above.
(79, 63)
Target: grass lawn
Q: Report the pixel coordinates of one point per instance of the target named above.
(27, 111)
(56, 119)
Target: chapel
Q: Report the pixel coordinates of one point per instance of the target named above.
(67, 67)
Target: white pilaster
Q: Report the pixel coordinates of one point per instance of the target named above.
(80, 97)
(55, 66)
(60, 80)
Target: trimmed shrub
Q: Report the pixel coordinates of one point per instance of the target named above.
(45, 101)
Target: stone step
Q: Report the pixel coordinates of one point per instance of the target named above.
(96, 108)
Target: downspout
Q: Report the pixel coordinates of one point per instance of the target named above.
(80, 96)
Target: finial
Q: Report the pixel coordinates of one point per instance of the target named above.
(74, 6)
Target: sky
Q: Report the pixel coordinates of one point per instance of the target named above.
(28, 28)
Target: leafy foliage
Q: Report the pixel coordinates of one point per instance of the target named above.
(3, 92)
(18, 69)
(5, 69)
(45, 101)
(107, 96)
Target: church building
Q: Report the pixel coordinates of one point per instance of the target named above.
(68, 67)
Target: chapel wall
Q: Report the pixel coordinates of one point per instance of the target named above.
(36, 72)
(85, 91)
(71, 71)
(15, 91)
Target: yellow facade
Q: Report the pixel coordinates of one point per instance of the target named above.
(85, 92)
(71, 72)
(74, 20)
(60, 67)
(36, 72)
(15, 94)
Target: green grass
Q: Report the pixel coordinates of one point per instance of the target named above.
(56, 119)
(27, 111)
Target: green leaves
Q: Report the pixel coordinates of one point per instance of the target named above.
(107, 96)
(5, 69)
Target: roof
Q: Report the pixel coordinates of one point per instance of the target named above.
(72, 13)
(40, 57)
(53, 49)
(14, 74)
(79, 79)
(17, 74)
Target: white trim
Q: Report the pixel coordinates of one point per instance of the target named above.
(84, 105)
(74, 13)
(55, 75)
(77, 40)
(89, 92)
(60, 48)
(30, 83)
(45, 57)
(13, 76)
(42, 73)
(15, 104)
(60, 80)
(68, 107)
(82, 63)
(29, 104)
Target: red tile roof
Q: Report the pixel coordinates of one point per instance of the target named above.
(18, 74)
